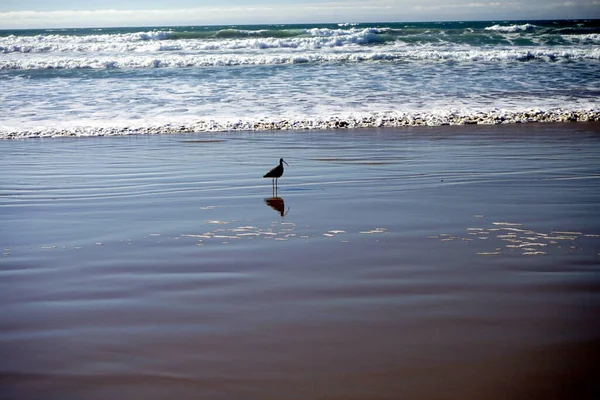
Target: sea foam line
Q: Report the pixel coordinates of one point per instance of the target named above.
(313, 38)
(166, 60)
(143, 41)
(348, 122)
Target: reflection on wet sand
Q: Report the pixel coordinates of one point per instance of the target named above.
(130, 271)
(277, 204)
(514, 238)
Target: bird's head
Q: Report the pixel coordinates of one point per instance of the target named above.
(281, 161)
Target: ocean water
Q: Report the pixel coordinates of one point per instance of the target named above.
(86, 82)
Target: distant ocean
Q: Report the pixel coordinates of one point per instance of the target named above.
(91, 82)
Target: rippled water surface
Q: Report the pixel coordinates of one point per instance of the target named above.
(388, 259)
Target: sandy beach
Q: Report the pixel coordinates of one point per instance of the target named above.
(453, 262)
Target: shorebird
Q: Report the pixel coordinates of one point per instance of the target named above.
(276, 172)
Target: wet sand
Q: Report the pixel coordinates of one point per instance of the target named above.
(422, 263)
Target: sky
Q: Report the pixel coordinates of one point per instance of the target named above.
(23, 14)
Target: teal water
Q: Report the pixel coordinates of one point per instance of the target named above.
(538, 32)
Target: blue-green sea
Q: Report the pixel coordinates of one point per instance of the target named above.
(219, 78)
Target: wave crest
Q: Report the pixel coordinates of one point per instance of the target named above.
(387, 120)
(170, 58)
(511, 28)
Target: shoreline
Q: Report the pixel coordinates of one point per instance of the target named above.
(392, 120)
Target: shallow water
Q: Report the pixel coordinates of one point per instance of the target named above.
(425, 262)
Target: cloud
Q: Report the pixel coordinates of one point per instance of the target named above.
(454, 6)
(284, 13)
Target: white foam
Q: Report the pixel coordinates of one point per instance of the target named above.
(511, 28)
(590, 38)
(114, 128)
(154, 41)
(168, 56)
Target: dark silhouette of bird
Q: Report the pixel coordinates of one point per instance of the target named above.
(276, 172)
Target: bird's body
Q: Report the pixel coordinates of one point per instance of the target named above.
(276, 172)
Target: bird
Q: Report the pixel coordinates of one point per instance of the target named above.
(276, 172)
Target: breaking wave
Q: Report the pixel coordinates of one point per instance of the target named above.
(307, 38)
(175, 60)
(228, 39)
(387, 120)
(511, 28)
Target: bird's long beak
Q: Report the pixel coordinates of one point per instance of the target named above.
(286, 163)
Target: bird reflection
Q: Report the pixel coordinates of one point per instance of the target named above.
(277, 204)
